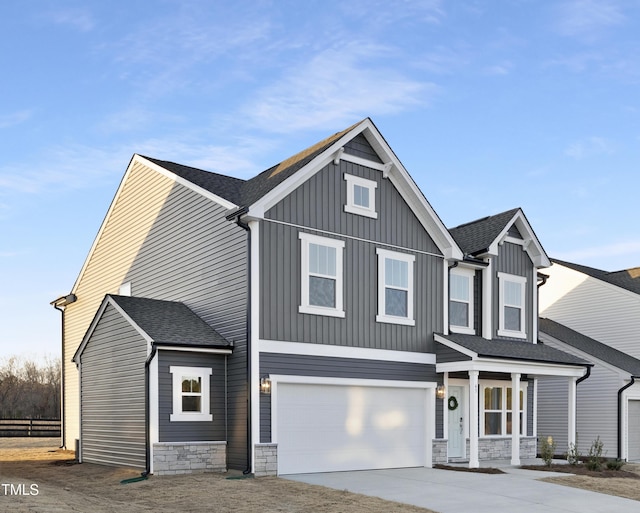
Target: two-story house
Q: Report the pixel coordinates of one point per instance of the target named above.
(595, 315)
(299, 322)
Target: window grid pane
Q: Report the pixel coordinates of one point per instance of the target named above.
(512, 293)
(322, 260)
(459, 313)
(459, 287)
(396, 302)
(396, 273)
(512, 318)
(322, 292)
(361, 196)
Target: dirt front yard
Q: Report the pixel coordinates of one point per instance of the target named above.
(37, 477)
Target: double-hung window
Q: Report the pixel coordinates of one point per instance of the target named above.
(321, 276)
(512, 306)
(461, 301)
(361, 196)
(395, 287)
(190, 393)
(497, 410)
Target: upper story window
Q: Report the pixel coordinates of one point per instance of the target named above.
(461, 301)
(190, 393)
(512, 306)
(361, 196)
(321, 276)
(395, 287)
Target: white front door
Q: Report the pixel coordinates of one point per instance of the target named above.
(455, 409)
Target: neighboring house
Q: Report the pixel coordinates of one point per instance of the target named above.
(299, 322)
(596, 314)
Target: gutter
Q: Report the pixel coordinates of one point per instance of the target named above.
(147, 422)
(60, 304)
(236, 216)
(620, 423)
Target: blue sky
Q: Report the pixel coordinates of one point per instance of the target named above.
(489, 105)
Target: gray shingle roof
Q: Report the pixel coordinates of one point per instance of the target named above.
(476, 236)
(628, 279)
(588, 345)
(246, 192)
(170, 322)
(513, 350)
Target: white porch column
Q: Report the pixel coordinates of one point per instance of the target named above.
(535, 407)
(571, 407)
(515, 418)
(445, 412)
(473, 419)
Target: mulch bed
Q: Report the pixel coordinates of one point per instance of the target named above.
(487, 470)
(582, 470)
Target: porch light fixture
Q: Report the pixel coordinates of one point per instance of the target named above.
(265, 385)
(440, 392)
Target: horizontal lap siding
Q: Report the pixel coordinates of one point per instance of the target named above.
(141, 198)
(113, 394)
(191, 431)
(194, 255)
(317, 366)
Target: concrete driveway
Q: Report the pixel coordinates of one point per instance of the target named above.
(447, 491)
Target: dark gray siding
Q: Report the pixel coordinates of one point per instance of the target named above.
(194, 255)
(360, 147)
(530, 395)
(513, 260)
(300, 365)
(319, 203)
(445, 354)
(191, 431)
(112, 394)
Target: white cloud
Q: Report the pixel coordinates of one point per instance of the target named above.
(333, 88)
(589, 147)
(503, 68)
(15, 118)
(76, 18)
(585, 18)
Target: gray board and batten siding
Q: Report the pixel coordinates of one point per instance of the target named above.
(319, 366)
(513, 260)
(194, 255)
(169, 431)
(318, 206)
(112, 394)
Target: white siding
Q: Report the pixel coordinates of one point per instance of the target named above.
(602, 311)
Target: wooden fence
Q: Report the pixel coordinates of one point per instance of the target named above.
(29, 427)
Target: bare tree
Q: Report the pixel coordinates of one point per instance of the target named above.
(29, 389)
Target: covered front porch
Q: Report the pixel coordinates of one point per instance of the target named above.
(478, 378)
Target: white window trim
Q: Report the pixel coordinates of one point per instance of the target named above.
(523, 404)
(502, 331)
(351, 207)
(470, 328)
(305, 307)
(383, 254)
(178, 415)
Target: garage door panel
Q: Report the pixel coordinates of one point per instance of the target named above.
(634, 430)
(325, 428)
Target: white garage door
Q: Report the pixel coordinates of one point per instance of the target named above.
(324, 428)
(634, 431)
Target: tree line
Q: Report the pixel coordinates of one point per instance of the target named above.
(29, 388)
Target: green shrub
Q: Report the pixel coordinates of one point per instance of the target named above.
(595, 458)
(547, 450)
(615, 464)
(573, 454)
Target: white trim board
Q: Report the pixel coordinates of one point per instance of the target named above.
(359, 353)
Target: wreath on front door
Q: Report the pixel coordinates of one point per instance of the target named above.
(452, 403)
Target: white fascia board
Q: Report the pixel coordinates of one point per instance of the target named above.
(454, 346)
(139, 159)
(195, 349)
(530, 242)
(331, 351)
(509, 367)
(190, 185)
(96, 318)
